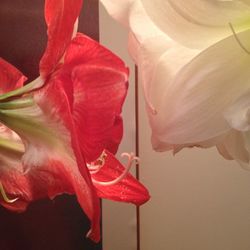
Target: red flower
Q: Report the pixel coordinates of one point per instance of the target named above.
(57, 130)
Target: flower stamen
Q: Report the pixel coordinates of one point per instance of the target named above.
(94, 167)
(238, 40)
(131, 158)
(4, 195)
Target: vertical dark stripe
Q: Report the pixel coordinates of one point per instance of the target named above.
(23, 34)
(138, 231)
(89, 19)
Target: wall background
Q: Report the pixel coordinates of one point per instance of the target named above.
(199, 200)
(119, 219)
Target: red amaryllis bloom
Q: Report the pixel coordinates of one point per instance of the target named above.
(57, 132)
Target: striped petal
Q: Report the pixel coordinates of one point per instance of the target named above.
(99, 80)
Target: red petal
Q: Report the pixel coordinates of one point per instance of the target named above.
(49, 181)
(100, 86)
(128, 189)
(60, 16)
(52, 155)
(10, 77)
(55, 96)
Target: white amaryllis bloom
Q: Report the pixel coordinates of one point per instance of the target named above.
(193, 58)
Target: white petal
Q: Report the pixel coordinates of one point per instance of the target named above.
(194, 102)
(198, 23)
(190, 93)
(147, 43)
(238, 114)
(149, 46)
(132, 14)
(234, 147)
(162, 146)
(160, 61)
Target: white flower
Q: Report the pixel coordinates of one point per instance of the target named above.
(193, 59)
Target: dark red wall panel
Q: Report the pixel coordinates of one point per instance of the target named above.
(47, 225)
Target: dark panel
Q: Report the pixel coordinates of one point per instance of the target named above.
(46, 225)
(23, 34)
(23, 31)
(89, 19)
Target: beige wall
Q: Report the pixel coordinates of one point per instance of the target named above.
(199, 200)
(119, 219)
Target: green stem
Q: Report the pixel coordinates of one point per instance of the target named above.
(18, 103)
(37, 83)
(11, 146)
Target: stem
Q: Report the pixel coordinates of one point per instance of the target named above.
(37, 83)
(18, 103)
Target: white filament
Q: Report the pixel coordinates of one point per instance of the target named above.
(238, 40)
(4, 195)
(95, 168)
